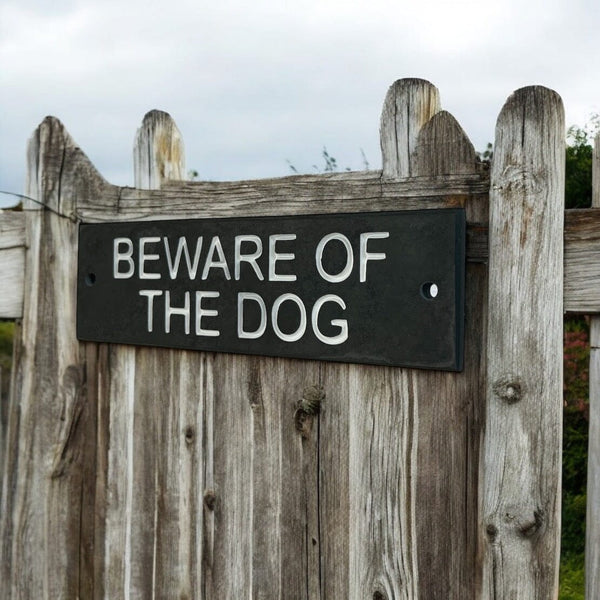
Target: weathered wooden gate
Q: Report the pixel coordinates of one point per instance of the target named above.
(135, 472)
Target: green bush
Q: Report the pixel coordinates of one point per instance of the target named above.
(6, 336)
(575, 446)
(572, 578)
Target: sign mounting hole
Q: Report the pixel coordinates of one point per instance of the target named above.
(429, 290)
(90, 279)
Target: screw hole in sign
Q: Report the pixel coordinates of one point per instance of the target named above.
(429, 290)
(90, 279)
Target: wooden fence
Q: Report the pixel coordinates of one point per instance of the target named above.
(135, 472)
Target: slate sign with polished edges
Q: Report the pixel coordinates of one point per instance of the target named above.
(381, 288)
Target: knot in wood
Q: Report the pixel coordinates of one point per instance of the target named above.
(509, 388)
(492, 531)
(189, 434)
(210, 499)
(307, 408)
(520, 180)
(311, 399)
(530, 528)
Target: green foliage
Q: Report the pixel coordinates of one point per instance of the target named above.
(487, 154)
(572, 578)
(578, 175)
(575, 444)
(6, 343)
(6, 338)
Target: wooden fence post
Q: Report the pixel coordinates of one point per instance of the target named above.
(144, 486)
(408, 105)
(592, 533)
(45, 497)
(158, 153)
(415, 435)
(521, 467)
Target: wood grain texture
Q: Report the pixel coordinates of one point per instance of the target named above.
(592, 526)
(12, 263)
(154, 480)
(166, 473)
(45, 496)
(400, 485)
(582, 261)
(448, 419)
(295, 195)
(443, 148)
(158, 153)
(521, 461)
(408, 106)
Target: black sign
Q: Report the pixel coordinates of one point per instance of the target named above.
(378, 288)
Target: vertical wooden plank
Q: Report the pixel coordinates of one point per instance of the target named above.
(264, 469)
(408, 105)
(334, 482)
(450, 408)
(46, 499)
(521, 462)
(592, 527)
(383, 556)
(152, 432)
(398, 448)
(158, 152)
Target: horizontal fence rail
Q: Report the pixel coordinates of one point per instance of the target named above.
(581, 238)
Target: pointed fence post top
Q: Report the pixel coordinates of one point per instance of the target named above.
(530, 131)
(158, 153)
(418, 138)
(521, 464)
(56, 167)
(408, 105)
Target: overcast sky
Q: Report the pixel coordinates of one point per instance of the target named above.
(254, 84)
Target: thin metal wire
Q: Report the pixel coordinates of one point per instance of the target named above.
(38, 202)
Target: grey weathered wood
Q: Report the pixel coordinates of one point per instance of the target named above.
(383, 482)
(408, 105)
(443, 148)
(153, 513)
(12, 263)
(592, 528)
(301, 194)
(521, 459)
(247, 499)
(582, 261)
(448, 417)
(158, 153)
(45, 495)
